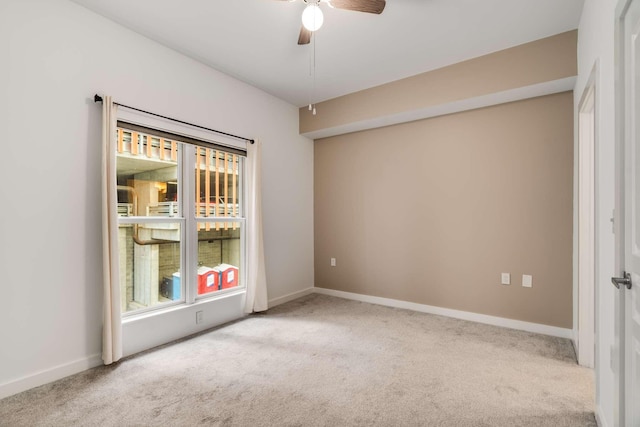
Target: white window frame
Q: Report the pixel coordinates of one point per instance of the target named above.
(186, 208)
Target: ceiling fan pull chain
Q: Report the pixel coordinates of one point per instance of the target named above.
(314, 73)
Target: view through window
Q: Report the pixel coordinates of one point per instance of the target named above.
(181, 220)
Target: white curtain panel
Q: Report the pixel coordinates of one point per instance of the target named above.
(256, 276)
(112, 323)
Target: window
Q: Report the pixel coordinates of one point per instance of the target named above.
(180, 218)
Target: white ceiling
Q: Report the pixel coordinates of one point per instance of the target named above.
(256, 40)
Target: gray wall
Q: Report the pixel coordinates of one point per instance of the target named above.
(55, 56)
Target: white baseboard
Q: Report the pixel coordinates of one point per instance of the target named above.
(290, 297)
(574, 341)
(62, 371)
(599, 419)
(49, 375)
(464, 315)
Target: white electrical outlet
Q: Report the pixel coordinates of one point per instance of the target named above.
(506, 278)
(527, 280)
(333, 262)
(198, 317)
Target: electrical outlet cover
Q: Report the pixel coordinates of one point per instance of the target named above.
(506, 278)
(527, 280)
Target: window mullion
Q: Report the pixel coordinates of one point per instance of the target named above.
(190, 250)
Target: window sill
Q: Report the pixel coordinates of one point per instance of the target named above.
(201, 303)
(151, 329)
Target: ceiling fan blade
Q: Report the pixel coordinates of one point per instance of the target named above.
(305, 36)
(369, 6)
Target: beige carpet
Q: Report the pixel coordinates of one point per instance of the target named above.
(324, 361)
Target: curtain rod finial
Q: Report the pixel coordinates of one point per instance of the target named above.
(97, 98)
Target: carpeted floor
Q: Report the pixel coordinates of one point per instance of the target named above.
(325, 361)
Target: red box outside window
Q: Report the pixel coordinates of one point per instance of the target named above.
(208, 280)
(228, 276)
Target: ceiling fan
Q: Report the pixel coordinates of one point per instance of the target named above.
(312, 17)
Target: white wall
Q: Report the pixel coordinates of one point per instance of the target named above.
(54, 56)
(596, 45)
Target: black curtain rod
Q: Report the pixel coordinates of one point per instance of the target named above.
(98, 98)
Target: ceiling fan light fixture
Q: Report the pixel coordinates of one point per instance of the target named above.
(312, 17)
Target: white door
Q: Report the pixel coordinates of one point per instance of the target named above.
(631, 147)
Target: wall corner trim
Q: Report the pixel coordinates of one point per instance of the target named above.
(49, 375)
(457, 314)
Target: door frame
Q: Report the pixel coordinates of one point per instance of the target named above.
(586, 222)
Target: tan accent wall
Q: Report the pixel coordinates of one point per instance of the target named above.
(544, 60)
(433, 211)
